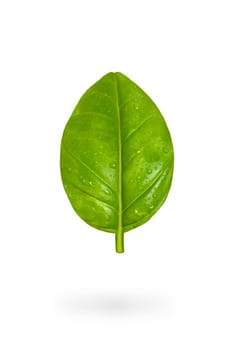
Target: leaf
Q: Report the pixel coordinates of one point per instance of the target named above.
(116, 157)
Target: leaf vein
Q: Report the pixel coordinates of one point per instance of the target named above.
(92, 171)
(147, 189)
(93, 197)
(138, 127)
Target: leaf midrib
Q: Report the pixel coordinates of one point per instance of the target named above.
(120, 200)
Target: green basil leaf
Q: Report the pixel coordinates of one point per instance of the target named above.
(116, 157)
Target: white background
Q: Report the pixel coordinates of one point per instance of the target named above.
(62, 286)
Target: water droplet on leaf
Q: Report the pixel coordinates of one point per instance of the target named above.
(137, 212)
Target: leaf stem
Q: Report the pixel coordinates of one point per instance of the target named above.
(119, 241)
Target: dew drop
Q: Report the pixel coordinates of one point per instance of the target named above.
(137, 212)
(90, 183)
(107, 191)
(138, 151)
(149, 171)
(137, 107)
(151, 207)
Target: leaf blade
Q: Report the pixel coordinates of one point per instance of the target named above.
(119, 135)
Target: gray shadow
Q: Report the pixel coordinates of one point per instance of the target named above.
(115, 304)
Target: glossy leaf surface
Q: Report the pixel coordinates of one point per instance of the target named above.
(116, 157)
